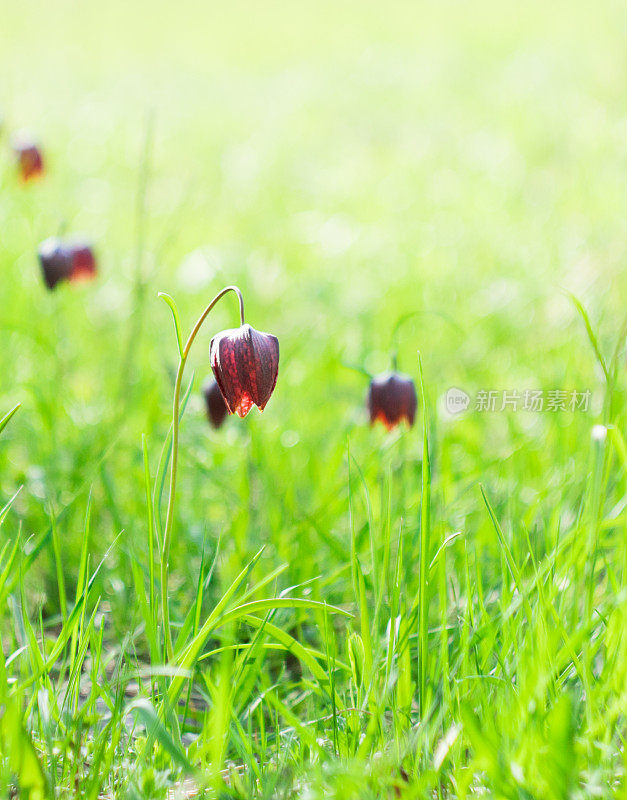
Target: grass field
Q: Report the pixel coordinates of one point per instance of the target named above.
(350, 618)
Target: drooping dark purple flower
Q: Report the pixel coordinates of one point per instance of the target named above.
(71, 261)
(55, 261)
(83, 262)
(245, 363)
(214, 403)
(29, 157)
(392, 398)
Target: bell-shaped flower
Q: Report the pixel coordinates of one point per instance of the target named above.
(245, 363)
(66, 261)
(29, 157)
(83, 262)
(214, 403)
(392, 398)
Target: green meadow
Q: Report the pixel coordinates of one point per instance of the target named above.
(436, 611)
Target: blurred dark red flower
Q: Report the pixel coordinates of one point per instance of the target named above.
(83, 262)
(245, 363)
(71, 261)
(392, 398)
(29, 157)
(214, 403)
(55, 261)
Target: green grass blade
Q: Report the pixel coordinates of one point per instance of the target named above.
(7, 417)
(425, 537)
(175, 316)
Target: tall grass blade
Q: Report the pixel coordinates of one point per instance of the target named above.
(425, 541)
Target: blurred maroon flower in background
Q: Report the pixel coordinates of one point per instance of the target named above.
(71, 261)
(55, 261)
(392, 398)
(214, 403)
(83, 262)
(29, 157)
(245, 363)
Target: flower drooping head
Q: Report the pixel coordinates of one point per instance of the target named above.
(83, 262)
(55, 261)
(29, 157)
(245, 363)
(392, 398)
(61, 261)
(214, 403)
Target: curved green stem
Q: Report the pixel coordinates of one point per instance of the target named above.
(176, 405)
